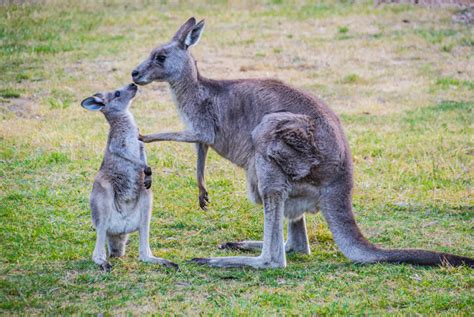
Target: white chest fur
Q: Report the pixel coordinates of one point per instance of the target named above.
(183, 116)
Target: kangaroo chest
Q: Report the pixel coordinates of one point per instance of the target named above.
(126, 177)
(224, 136)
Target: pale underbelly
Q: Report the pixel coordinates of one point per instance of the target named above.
(125, 218)
(296, 207)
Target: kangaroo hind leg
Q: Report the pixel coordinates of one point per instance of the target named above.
(246, 245)
(272, 187)
(101, 207)
(145, 254)
(297, 236)
(297, 240)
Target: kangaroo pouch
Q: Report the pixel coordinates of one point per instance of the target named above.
(126, 215)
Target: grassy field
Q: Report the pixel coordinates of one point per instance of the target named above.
(400, 77)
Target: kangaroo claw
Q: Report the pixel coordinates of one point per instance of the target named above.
(203, 200)
(106, 267)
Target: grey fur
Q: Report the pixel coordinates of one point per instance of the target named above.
(121, 201)
(291, 145)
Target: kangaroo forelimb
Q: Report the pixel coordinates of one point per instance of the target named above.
(201, 164)
(183, 136)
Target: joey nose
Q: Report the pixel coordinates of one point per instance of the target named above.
(135, 73)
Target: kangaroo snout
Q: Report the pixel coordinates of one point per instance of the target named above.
(133, 88)
(137, 78)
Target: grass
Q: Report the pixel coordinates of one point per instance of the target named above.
(343, 29)
(351, 79)
(404, 94)
(450, 82)
(9, 93)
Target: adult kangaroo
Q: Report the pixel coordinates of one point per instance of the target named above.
(291, 145)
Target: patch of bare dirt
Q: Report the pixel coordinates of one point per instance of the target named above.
(21, 108)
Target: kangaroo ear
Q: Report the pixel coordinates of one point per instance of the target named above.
(194, 35)
(183, 31)
(92, 103)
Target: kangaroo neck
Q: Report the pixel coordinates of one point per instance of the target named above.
(187, 88)
(121, 123)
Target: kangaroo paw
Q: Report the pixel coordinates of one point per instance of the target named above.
(203, 200)
(106, 267)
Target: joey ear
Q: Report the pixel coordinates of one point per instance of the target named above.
(194, 35)
(183, 31)
(92, 103)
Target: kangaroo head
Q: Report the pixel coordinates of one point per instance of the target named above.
(111, 102)
(168, 62)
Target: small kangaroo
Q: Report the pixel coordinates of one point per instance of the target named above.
(291, 145)
(121, 199)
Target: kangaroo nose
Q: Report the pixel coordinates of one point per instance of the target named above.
(135, 73)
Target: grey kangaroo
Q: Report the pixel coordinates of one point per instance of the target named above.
(121, 199)
(291, 145)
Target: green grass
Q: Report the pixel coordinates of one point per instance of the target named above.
(407, 115)
(449, 82)
(351, 79)
(9, 93)
(343, 29)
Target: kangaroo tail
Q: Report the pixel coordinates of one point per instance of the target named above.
(337, 209)
(423, 257)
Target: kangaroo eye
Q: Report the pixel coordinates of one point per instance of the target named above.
(160, 58)
(117, 94)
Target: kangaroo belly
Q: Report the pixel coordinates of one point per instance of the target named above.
(125, 217)
(236, 147)
(296, 207)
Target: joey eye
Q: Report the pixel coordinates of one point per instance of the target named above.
(117, 94)
(160, 58)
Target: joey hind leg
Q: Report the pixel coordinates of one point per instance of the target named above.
(117, 244)
(99, 256)
(144, 231)
(100, 203)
